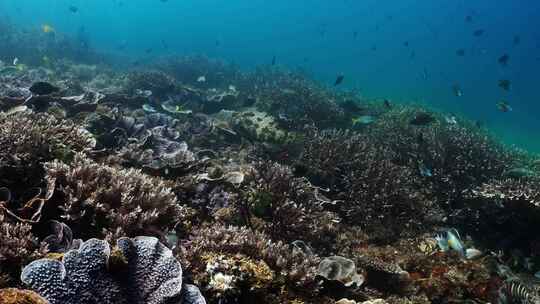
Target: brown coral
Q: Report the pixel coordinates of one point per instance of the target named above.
(99, 199)
(27, 140)
(374, 192)
(19, 296)
(292, 269)
(18, 246)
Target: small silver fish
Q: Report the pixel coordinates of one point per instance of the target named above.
(148, 108)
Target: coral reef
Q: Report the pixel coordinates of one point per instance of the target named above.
(268, 186)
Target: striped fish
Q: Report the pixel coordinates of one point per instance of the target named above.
(517, 293)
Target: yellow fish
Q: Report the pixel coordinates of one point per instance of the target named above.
(47, 28)
(20, 67)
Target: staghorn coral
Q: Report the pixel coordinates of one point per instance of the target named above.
(373, 192)
(450, 156)
(295, 100)
(18, 246)
(286, 207)
(188, 69)
(158, 82)
(20, 296)
(98, 200)
(502, 209)
(508, 190)
(27, 140)
(85, 275)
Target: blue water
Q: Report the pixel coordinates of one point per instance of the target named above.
(318, 37)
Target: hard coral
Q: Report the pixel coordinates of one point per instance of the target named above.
(287, 207)
(159, 83)
(295, 100)
(293, 269)
(372, 190)
(20, 296)
(85, 275)
(98, 199)
(27, 140)
(450, 156)
(18, 246)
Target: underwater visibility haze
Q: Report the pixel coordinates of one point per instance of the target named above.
(182, 151)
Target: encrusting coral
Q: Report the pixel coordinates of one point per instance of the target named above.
(149, 274)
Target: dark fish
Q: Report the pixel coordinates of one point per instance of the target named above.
(43, 88)
(387, 104)
(457, 90)
(517, 40)
(218, 43)
(374, 48)
(274, 60)
(503, 106)
(478, 33)
(468, 18)
(503, 60)
(73, 9)
(460, 52)
(406, 43)
(505, 84)
(164, 44)
(339, 80)
(148, 50)
(422, 119)
(425, 74)
(412, 55)
(355, 34)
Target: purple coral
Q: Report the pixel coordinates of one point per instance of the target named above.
(150, 275)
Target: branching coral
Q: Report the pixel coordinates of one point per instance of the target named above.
(18, 246)
(450, 156)
(372, 190)
(27, 140)
(295, 100)
(286, 207)
(293, 268)
(159, 83)
(149, 274)
(99, 199)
